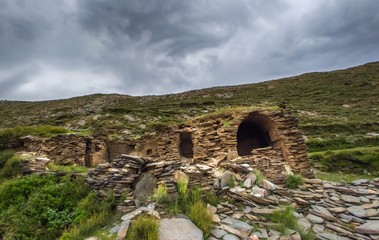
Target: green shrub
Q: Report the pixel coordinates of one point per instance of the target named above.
(285, 218)
(293, 181)
(143, 227)
(199, 215)
(11, 168)
(42, 207)
(173, 206)
(86, 227)
(160, 193)
(4, 156)
(231, 182)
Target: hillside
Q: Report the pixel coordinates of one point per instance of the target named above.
(329, 105)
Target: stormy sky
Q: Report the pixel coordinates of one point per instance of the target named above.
(64, 48)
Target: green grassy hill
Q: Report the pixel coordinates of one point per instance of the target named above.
(337, 109)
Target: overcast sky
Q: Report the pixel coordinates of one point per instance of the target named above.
(52, 49)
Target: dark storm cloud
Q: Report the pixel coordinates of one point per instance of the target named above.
(54, 49)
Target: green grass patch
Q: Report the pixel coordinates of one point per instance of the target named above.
(143, 227)
(293, 181)
(355, 160)
(212, 198)
(67, 168)
(12, 134)
(341, 177)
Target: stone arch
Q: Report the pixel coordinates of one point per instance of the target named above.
(256, 131)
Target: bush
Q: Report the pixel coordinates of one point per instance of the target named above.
(4, 156)
(199, 215)
(160, 193)
(11, 168)
(42, 207)
(293, 181)
(143, 227)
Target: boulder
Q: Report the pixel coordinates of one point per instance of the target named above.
(258, 192)
(145, 187)
(179, 228)
(226, 178)
(266, 184)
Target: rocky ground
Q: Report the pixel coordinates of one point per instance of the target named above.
(330, 210)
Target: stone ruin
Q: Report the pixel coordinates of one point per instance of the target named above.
(268, 140)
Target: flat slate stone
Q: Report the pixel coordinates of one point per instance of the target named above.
(230, 237)
(242, 227)
(331, 236)
(370, 227)
(357, 211)
(314, 218)
(178, 229)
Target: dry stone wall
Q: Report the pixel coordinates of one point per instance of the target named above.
(215, 135)
(68, 149)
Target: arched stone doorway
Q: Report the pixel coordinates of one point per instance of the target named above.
(255, 131)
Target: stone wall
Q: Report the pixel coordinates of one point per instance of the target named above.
(216, 135)
(68, 149)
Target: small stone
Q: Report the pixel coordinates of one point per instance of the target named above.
(247, 209)
(318, 228)
(258, 192)
(230, 237)
(331, 236)
(360, 181)
(350, 199)
(337, 209)
(266, 184)
(211, 209)
(226, 178)
(123, 230)
(304, 223)
(314, 218)
(252, 177)
(218, 233)
(364, 199)
(370, 227)
(357, 211)
(215, 218)
(372, 212)
(247, 183)
(242, 227)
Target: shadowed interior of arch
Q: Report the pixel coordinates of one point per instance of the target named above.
(250, 135)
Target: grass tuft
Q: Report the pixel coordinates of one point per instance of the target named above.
(143, 227)
(259, 175)
(160, 193)
(199, 214)
(293, 181)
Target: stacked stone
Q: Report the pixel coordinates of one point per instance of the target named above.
(37, 164)
(67, 149)
(164, 172)
(199, 175)
(118, 175)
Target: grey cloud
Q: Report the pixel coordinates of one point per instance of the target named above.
(160, 46)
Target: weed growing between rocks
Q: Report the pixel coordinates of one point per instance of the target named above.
(144, 227)
(160, 193)
(211, 198)
(293, 181)
(199, 215)
(285, 219)
(259, 175)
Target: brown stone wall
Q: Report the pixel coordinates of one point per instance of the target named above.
(68, 149)
(215, 135)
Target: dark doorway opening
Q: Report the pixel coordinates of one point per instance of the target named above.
(186, 145)
(250, 135)
(88, 157)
